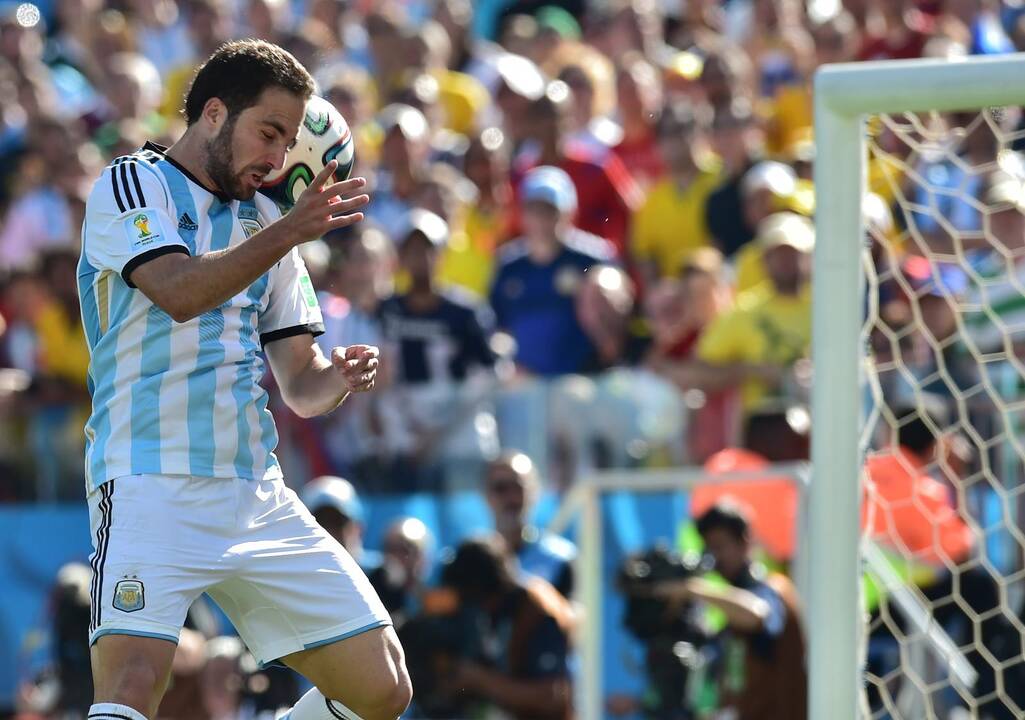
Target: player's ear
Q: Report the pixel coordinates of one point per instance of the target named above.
(215, 113)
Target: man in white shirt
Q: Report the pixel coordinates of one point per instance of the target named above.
(185, 273)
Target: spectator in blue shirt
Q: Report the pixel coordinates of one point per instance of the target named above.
(539, 275)
(511, 488)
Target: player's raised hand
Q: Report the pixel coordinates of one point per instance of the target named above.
(357, 365)
(325, 205)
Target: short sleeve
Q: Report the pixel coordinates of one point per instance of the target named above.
(292, 307)
(763, 641)
(127, 222)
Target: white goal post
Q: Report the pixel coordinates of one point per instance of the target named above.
(844, 96)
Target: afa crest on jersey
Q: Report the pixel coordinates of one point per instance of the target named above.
(129, 596)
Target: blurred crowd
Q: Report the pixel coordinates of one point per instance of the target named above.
(590, 238)
(613, 191)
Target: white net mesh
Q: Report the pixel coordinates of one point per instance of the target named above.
(945, 339)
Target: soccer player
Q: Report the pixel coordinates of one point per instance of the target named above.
(186, 272)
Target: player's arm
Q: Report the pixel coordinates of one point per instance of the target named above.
(312, 384)
(185, 287)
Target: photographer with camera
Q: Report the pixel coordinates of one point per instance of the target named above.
(761, 672)
(500, 643)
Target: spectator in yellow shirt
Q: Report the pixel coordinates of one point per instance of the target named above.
(469, 257)
(63, 355)
(755, 346)
(670, 225)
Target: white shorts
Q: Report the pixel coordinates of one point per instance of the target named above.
(160, 541)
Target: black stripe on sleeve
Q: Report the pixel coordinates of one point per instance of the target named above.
(313, 329)
(131, 265)
(108, 715)
(124, 186)
(138, 185)
(117, 192)
(335, 712)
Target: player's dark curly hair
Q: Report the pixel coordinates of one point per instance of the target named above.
(239, 71)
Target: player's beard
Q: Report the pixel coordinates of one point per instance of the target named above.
(220, 158)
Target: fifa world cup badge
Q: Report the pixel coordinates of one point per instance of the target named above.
(141, 229)
(129, 596)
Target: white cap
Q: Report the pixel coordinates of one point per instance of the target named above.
(521, 75)
(432, 226)
(406, 118)
(787, 228)
(335, 492)
(770, 175)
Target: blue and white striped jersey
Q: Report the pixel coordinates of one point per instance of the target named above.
(179, 398)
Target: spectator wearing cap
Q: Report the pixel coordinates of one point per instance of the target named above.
(512, 488)
(405, 148)
(754, 346)
(767, 188)
(539, 275)
(437, 342)
(515, 83)
(670, 225)
(336, 507)
(606, 194)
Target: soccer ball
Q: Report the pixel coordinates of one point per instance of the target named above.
(323, 136)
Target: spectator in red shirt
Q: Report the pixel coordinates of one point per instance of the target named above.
(639, 89)
(606, 193)
(892, 34)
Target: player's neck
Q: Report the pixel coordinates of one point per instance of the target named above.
(189, 153)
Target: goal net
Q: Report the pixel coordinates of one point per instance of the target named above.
(919, 405)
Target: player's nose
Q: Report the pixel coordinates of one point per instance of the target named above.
(277, 158)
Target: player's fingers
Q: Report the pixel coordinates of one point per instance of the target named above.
(336, 222)
(355, 352)
(337, 206)
(338, 356)
(344, 187)
(367, 365)
(324, 175)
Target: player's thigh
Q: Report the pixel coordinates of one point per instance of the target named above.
(156, 541)
(158, 545)
(295, 587)
(131, 670)
(359, 670)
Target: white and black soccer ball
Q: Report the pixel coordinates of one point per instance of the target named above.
(323, 136)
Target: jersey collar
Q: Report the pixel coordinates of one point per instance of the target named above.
(162, 151)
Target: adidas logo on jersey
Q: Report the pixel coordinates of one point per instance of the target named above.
(187, 223)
